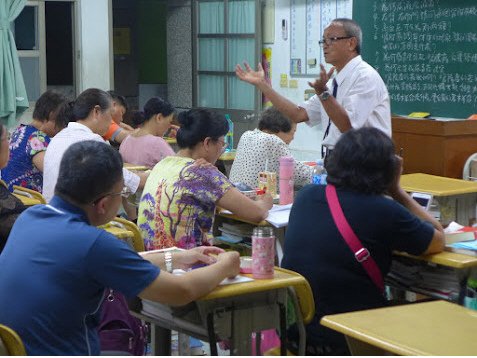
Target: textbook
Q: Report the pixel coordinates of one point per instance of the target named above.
(462, 234)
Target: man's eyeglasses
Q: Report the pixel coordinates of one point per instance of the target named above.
(331, 40)
(124, 193)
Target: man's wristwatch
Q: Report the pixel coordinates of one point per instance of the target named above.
(168, 260)
(325, 95)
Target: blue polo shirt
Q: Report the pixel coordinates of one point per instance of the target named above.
(54, 270)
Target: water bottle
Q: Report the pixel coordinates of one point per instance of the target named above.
(287, 166)
(470, 299)
(229, 137)
(263, 252)
(319, 173)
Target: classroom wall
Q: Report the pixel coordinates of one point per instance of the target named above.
(179, 53)
(95, 48)
(307, 142)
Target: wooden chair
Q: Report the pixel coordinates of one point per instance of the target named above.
(28, 196)
(10, 342)
(136, 241)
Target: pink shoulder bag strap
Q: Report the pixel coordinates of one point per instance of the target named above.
(361, 254)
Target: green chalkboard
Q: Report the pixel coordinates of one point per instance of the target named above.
(426, 52)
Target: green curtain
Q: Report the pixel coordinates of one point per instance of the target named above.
(13, 96)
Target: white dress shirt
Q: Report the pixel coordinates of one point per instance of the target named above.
(75, 132)
(363, 95)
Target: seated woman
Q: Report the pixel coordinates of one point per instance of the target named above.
(266, 144)
(363, 168)
(10, 206)
(146, 146)
(28, 143)
(178, 202)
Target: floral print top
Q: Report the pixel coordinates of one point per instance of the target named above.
(25, 142)
(177, 206)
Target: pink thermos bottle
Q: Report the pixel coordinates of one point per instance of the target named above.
(286, 180)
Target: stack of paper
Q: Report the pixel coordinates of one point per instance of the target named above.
(278, 215)
(236, 232)
(436, 281)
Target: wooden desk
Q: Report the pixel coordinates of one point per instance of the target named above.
(170, 141)
(446, 258)
(456, 197)
(431, 328)
(138, 168)
(230, 312)
(173, 143)
(434, 147)
(27, 201)
(28, 197)
(228, 156)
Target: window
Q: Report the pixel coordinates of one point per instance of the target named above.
(225, 34)
(45, 42)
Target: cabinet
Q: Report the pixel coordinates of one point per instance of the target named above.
(433, 146)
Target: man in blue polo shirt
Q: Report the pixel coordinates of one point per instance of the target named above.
(57, 264)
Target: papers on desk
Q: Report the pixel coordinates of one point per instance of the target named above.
(279, 215)
(227, 281)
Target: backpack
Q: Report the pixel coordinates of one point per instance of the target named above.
(118, 330)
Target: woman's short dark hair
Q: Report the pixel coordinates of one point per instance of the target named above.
(198, 124)
(274, 121)
(121, 100)
(88, 171)
(46, 104)
(153, 106)
(363, 160)
(87, 100)
(64, 114)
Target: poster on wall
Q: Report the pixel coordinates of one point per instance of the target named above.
(122, 41)
(267, 68)
(305, 52)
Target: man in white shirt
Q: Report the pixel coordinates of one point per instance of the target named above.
(356, 96)
(89, 128)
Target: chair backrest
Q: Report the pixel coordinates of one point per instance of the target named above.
(137, 241)
(10, 342)
(29, 193)
(470, 168)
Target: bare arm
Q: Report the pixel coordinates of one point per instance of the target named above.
(38, 159)
(335, 111)
(438, 239)
(180, 290)
(121, 135)
(257, 78)
(246, 208)
(142, 178)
